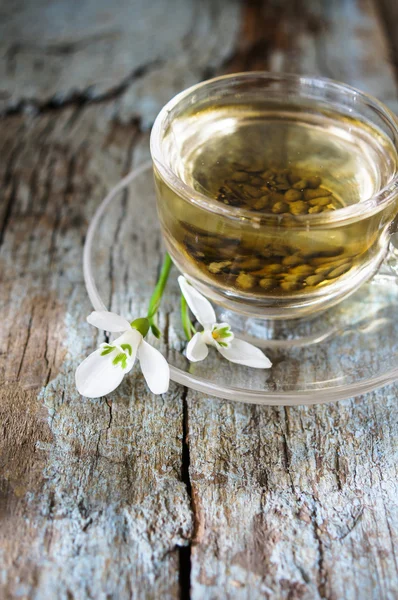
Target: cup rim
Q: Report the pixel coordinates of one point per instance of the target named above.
(352, 212)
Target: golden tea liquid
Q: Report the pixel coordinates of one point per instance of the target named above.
(283, 165)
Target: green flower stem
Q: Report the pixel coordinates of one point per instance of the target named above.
(156, 297)
(187, 324)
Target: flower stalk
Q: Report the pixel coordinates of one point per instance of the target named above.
(156, 297)
(187, 324)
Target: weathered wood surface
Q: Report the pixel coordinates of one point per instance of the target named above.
(136, 496)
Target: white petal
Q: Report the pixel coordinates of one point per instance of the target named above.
(96, 376)
(199, 305)
(131, 337)
(243, 353)
(108, 321)
(154, 367)
(197, 349)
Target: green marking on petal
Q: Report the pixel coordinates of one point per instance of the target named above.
(122, 359)
(141, 325)
(106, 349)
(221, 333)
(224, 331)
(127, 348)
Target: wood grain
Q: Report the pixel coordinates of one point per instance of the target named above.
(93, 502)
(93, 498)
(299, 503)
(136, 496)
(388, 13)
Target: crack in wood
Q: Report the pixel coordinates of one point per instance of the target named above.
(84, 97)
(10, 180)
(184, 570)
(59, 48)
(109, 404)
(185, 551)
(25, 345)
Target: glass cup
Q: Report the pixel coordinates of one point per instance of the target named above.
(276, 194)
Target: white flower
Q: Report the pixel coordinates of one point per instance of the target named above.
(101, 372)
(216, 334)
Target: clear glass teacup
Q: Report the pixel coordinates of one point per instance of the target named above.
(276, 194)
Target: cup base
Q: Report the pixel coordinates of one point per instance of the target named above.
(278, 308)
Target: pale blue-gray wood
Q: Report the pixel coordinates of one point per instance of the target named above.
(96, 497)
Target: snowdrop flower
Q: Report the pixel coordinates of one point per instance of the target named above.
(216, 334)
(101, 372)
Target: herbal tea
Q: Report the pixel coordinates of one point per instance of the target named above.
(282, 165)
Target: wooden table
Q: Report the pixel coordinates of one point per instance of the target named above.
(136, 496)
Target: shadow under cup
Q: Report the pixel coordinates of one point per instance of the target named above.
(276, 194)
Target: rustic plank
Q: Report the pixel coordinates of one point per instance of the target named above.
(141, 53)
(94, 498)
(93, 488)
(343, 40)
(295, 503)
(299, 502)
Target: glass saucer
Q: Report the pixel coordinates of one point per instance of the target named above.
(349, 350)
